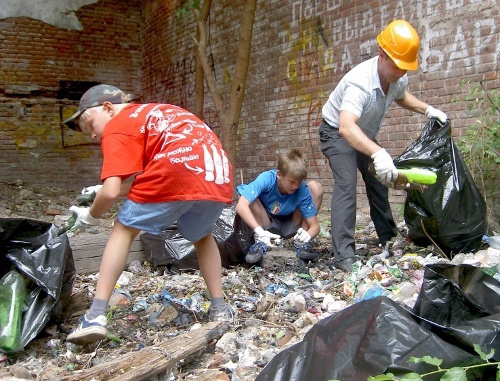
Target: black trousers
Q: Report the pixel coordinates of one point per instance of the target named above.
(344, 163)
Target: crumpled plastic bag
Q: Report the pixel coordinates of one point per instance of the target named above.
(458, 307)
(172, 250)
(44, 256)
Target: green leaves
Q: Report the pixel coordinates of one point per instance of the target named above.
(455, 373)
(427, 359)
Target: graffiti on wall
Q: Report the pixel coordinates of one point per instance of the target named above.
(339, 49)
(319, 43)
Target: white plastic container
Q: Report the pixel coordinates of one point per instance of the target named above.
(494, 241)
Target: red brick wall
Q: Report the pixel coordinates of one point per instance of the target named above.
(302, 49)
(35, 56)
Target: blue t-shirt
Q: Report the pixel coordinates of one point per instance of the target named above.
(265, 187)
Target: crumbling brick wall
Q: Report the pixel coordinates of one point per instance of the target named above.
(41, 67)
(300, 50)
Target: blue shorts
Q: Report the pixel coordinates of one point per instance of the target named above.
(195, 219)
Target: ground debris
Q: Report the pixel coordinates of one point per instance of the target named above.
(277, 301)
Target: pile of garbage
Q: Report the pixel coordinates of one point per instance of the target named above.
(277, 302)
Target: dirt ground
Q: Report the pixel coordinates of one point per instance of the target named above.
(276, 302)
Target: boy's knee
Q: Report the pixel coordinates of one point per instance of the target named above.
(316, 188)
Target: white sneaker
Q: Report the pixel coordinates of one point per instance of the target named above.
(89, 331)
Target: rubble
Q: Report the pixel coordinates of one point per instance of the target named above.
(278, 300)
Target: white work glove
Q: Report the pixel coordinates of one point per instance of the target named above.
(266, 237)
(302, 236)
(84, 219)
(385, 170)
(432, 112)
(92, 189)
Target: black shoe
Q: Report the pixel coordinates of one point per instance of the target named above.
(256, 252)
(306, 252)
(344, 264)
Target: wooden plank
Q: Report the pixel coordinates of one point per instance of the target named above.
(88, 249)
(150, 361)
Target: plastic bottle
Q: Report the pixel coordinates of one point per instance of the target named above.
(375, 291)
(12, 296)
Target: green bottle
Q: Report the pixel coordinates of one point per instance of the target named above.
(12, 296)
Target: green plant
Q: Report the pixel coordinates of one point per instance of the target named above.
(480, 145)
(456, 373)
(186, 8)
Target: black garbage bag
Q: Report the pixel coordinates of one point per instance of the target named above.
(40, 253)
(462, 305)
(379, 335)
(172, 250)
(452, 211)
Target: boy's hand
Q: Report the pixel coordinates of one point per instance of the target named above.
(91, 189)
(88, 195)
(84, 219)
(265, 236)
(302, 236)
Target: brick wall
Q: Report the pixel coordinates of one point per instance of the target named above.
(35, 58)
(301, 50)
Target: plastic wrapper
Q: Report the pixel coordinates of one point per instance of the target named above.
(452, 212)
(172, 250)
(380, 335)
(44, 257)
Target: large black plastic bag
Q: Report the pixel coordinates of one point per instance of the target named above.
(366, 339)
(37, 250)
(461, 304)
(452, 211)
(457, 308)
(172, 250)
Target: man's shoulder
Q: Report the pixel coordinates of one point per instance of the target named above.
(361, 74)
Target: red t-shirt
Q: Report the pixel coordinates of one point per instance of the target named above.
(174, 155)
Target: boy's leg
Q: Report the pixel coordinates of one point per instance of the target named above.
(210, 264)
(198, 222)
(259, 212)
(316, 190)
(93, 324)
(114, 259)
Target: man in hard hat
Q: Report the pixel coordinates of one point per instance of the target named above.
(352, 118)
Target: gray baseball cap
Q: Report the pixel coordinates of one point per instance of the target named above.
(96, 96)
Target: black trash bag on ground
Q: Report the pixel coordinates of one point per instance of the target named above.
(39, 252)
(379, 335)
(172, 250)
(462, 305)
(452, 211)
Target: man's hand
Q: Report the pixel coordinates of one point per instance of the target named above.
(302, 236)
(432, 112)
(266, 237)
(384, 166)
(84, 219)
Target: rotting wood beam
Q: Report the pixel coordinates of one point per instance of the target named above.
(151, 361)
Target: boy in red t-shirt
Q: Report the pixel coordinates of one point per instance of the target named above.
(180, 174)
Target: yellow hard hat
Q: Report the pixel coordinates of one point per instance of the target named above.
(401, 42)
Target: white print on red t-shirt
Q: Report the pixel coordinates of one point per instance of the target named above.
(215, 160)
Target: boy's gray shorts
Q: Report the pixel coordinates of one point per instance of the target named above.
(195, 219)
(282, 225)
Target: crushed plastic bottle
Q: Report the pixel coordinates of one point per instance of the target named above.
(12, 296)
(375, 291)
